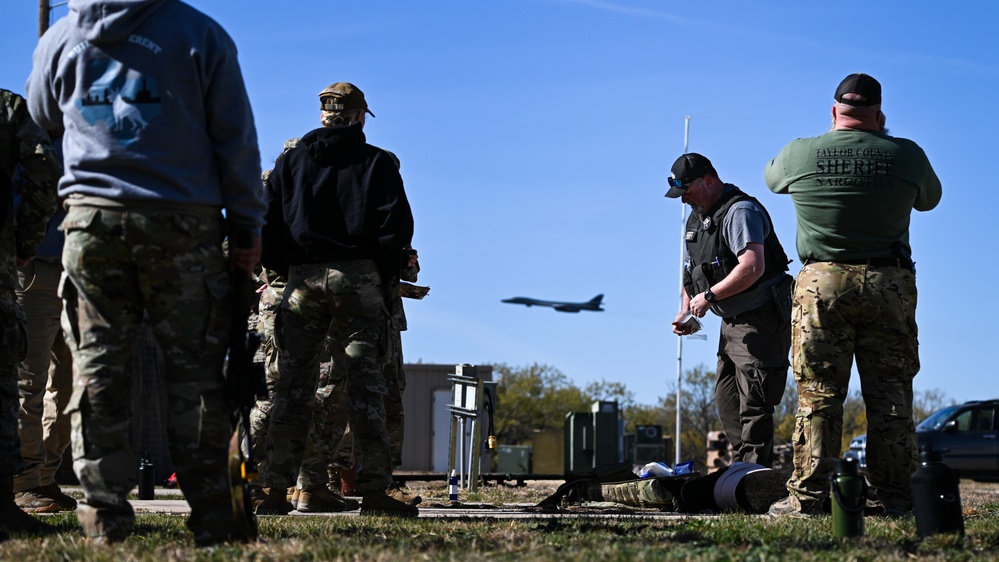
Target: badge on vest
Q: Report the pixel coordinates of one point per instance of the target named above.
(706, 223)
(691, 235)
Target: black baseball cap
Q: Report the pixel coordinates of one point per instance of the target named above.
(862, 85)
(686, 169)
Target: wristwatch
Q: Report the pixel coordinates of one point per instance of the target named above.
(709, 296)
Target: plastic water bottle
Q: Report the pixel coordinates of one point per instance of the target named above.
(146, 478)
(453, 487)
(849, 494)
(936, 496)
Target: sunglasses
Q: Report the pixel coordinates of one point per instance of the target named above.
(675, 182)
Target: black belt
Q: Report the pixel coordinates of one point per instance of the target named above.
(904, 263)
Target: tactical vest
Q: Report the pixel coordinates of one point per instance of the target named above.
(711, 260)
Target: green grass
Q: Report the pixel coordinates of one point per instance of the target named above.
(163, 538)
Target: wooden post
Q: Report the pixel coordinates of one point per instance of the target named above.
(43, 16)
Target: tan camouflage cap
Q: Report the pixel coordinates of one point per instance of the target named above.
(343, 96)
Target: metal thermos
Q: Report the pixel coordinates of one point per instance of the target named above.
(147, 478)
(849, 497)
(936, 496)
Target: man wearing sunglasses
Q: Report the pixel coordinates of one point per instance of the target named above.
(736, 268)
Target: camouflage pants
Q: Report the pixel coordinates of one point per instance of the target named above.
(13, 348)
(168, 262)
(260, 416)
(330, 422)
(336, 448)
(330, 414)
(841, 311)
(344, 300)
(395, 378)
(45, 376)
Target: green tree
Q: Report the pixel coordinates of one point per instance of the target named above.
(533, 398)
(611, 391)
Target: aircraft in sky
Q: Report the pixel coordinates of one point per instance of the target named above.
(592, 304)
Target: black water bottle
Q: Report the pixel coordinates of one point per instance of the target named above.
(146, 478)
(849, 495)
(936, 496)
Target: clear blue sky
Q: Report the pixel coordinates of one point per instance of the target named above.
(536, 136)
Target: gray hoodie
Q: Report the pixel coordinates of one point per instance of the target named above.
(151, 100)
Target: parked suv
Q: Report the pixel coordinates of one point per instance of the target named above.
(967, 432)
(969, 436)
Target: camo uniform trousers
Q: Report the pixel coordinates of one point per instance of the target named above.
(330, 422)
(395, 378)
(840, 312)
(345, 300)
(336, 449)
(330, 415)
(167, 261)
(260, 415)
(13, 348)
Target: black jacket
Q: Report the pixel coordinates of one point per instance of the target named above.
(332, 198)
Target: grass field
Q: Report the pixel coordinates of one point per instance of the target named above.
(578, 538)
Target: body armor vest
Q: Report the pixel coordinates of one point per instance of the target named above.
(711, 260)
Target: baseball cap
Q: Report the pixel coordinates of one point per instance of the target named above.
(686, 169)
(860, 84)
(343, 96)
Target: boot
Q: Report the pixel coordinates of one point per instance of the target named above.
(275, 502)
(257, 494)
(13, 520)
(379, 503)
(292, 497)
(44, 499)
(321, 500)
(397, 493)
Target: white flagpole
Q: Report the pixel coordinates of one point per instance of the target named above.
(679, 340)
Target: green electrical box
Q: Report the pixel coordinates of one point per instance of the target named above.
(592, 438)
(513, 459)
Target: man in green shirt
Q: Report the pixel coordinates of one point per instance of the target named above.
(853, 190)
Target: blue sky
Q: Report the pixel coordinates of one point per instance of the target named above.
(536, 135)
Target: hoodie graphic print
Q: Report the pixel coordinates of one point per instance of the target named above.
(119, 98)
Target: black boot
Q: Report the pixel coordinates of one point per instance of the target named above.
(13, 520)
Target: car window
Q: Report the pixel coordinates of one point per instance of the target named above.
(984, 419)
(976, 419)
(936, 420)
(963, 420)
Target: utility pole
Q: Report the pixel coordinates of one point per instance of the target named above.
(43, 16)
(679, 340)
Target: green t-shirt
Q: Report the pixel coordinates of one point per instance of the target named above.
(853, 192)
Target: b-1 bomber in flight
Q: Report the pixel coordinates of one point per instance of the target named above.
(592, 304)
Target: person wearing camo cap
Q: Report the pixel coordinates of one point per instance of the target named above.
(338, 222)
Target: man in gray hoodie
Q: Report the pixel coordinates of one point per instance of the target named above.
(159, 140)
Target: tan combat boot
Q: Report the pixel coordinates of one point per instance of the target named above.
(397, 493)
(379, 503)
(274, 503)
(13, 520)
(320, 499)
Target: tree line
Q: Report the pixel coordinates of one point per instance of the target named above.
(537, 397)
